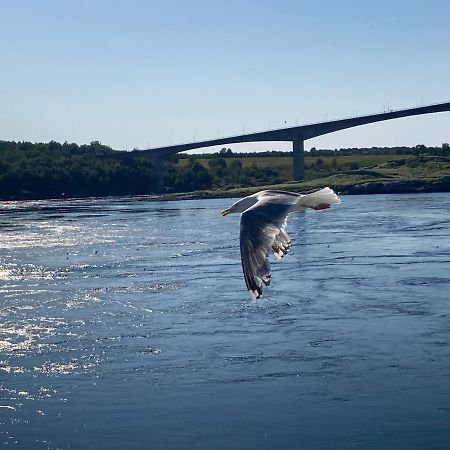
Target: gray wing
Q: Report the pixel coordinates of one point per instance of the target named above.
(263, 228)
(282, 243)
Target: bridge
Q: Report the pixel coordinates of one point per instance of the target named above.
(297, 135)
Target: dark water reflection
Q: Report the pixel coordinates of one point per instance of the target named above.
(125, 324)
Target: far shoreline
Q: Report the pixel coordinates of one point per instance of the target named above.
(367, 188)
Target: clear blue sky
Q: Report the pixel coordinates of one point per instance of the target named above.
(149, 73)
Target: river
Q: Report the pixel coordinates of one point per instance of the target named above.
(125, 323)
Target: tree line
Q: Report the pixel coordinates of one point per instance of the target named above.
(443, 150)
(54, 170)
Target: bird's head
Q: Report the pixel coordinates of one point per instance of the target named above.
(240, 205)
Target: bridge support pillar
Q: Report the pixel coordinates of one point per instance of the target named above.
(298, 151)
(159, 172)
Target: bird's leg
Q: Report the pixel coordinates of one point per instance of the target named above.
(321, 206)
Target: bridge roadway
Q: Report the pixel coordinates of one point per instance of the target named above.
(297, 135)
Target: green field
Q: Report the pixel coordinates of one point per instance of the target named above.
(375, 174)
(313, 168)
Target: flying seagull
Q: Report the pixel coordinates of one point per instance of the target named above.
(263, 228)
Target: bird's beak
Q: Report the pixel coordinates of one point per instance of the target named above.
(225, 212)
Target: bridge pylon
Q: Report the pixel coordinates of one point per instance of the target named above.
(159, 171)
(298, 153)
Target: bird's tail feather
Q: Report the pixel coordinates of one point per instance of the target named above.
(325, 196)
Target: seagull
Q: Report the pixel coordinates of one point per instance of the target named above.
(263, 228)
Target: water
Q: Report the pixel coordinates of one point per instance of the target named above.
(126, 324)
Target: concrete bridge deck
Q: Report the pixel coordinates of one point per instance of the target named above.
(297, 135)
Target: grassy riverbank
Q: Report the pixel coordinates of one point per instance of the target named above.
(396, 175)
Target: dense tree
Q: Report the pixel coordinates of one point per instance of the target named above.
(67, 170)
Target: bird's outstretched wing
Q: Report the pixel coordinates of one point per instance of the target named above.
(263, 228)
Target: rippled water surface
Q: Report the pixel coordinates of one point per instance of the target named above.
(126, 324)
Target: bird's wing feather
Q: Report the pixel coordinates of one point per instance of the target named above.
(263, 227)
(282, 243)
